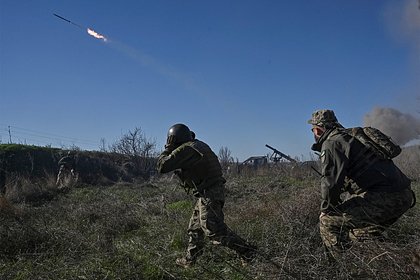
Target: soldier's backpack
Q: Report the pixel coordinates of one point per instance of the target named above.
(376, 141)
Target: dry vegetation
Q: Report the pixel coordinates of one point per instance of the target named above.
(136, 231)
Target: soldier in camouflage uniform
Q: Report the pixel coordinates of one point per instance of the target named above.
(199, 171)
(375, 198)
(67, 175)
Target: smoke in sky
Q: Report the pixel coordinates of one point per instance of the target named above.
(403, 21)
(401, 127)
(403, 18)
(186, 80)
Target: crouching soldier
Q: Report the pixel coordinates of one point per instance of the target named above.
(353, 162)
(199, 171)
(67, 176)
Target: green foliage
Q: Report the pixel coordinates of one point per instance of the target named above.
(25, 148)
(180, 205)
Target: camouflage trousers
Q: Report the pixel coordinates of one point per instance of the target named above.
(362, 216)
(208, 220)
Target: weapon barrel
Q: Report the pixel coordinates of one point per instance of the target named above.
(280, 153)
(268, 146)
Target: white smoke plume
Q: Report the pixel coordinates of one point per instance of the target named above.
(401, 127)
(403, 18)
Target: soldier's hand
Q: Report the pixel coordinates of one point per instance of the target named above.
(169, 148)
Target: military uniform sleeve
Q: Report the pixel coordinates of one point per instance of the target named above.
(181, 158)
(333, 161)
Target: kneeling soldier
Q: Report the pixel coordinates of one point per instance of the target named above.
(379, 193)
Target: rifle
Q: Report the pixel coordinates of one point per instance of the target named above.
(316, 170)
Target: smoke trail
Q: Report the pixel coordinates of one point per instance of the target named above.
(170, 73)
(88, 30)
(400, 126)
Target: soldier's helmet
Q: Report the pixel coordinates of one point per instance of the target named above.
(178, 134)
(324, 118)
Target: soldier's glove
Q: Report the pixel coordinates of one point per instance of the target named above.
(180, 174)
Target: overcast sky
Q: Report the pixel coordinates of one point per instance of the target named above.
(241, 74)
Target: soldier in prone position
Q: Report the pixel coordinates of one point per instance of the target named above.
(379, 193)
(199, 170)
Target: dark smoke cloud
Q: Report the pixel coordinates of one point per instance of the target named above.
(400, 126)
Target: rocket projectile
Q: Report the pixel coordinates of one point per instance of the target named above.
(62, 18)
(91, 32)
(69, 21)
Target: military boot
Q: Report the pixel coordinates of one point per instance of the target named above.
(248, 256)
(185, 262)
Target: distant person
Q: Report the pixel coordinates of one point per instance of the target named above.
(67, 175)
(200, 172)
(4, 203)
(378, 192)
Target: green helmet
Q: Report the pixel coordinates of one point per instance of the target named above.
(179, 134)
(324, 118)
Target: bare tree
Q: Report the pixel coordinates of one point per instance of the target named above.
(102, 145)
(225, 158)
(418, 98)
(141, 149)
(134, 143)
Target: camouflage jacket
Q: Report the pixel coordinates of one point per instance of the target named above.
(197, 167)
(341, 155)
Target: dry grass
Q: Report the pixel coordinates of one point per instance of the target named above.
(135, 231)
(23, 189)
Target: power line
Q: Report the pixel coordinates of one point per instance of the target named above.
(54, 135)
(54, 138)
(22, 135)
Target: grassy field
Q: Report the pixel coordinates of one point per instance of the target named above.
(132, 231)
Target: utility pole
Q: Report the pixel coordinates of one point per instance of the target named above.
(10, 136)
